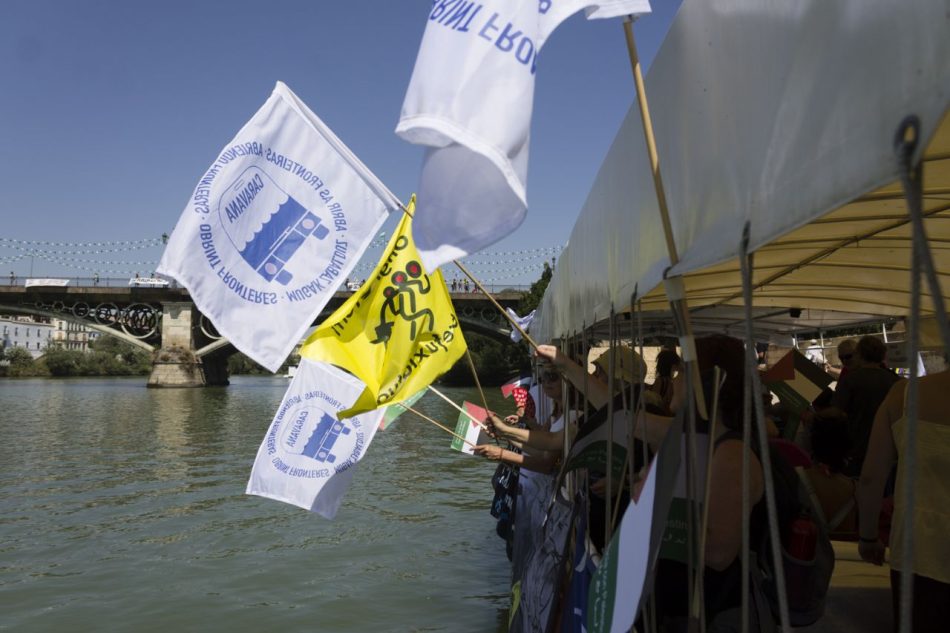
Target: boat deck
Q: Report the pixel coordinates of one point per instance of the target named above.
(859, 598)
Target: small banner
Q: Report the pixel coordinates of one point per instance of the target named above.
(796, 381)
(468, 428)
(623, 577)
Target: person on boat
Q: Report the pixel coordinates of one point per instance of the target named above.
(667, 363)
(930, 564)
(628, 370)
(538, 469)
(829, 446)
(723, 568)
(859, 394)
(846, 356)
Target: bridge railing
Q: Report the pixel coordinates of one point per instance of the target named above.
(127, 282)
(106, 282)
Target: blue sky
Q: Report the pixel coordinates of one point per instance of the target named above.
(110, 111)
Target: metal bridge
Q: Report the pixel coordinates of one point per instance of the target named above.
(165, 322)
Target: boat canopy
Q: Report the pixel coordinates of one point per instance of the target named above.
(781, 115)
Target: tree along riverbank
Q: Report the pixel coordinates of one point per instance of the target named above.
(108, 356)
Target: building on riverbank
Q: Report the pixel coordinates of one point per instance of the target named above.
(37, 334)
(73, 336)
(27, 333)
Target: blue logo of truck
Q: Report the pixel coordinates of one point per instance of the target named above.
(324, 436)
(266, 224)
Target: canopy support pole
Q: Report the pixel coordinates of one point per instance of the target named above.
(754, 392)
(905, 144)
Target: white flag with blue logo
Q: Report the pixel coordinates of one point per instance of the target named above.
(470, 100)
(308, 456)
(274, 226)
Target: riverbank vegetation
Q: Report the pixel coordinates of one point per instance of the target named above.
(107, 356)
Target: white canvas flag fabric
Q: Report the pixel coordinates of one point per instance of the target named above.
(470, 100)
(274, 227)
(523, 322)
(308, 456)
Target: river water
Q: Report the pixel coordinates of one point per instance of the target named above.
(123, 509)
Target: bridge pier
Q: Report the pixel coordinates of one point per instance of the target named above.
(214, 367)
(175, 363)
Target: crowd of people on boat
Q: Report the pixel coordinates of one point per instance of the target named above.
(842, 470)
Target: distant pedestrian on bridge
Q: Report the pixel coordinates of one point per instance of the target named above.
(95, 279)
(12, 278)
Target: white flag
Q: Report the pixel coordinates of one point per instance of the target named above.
(274, 227)
(470, 100)
(308, 456)
(523, 322)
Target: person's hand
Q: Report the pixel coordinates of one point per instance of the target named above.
(497, 426)
(549, 353)
(512, 419)
(490, 452)
(872, 552)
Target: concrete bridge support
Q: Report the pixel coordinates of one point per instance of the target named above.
(175, 363)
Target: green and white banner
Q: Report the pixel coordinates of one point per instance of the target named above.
(620, 582)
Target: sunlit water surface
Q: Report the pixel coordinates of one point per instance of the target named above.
(123, 509)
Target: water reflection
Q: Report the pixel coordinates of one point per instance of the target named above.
(128, 501)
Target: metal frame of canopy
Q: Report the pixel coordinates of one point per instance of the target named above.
(772, 325)
(852, 263)
(848, 267)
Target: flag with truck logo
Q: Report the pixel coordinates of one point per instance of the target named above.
(309, 454)
(398, 333)
(469, 101)
(273, 227)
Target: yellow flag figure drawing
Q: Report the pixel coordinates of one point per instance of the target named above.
(397, 333)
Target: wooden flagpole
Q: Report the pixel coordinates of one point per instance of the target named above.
(479, 285)
(441, 426)
(471, 366)
(507, 316)
(679, 303)
(677, 300)
(461, 410)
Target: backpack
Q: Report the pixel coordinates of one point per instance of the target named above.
(808, 558)
(505, 484)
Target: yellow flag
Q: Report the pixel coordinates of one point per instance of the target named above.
(397, 334)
